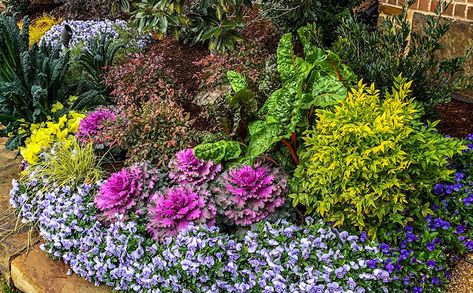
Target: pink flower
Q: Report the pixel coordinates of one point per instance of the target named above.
(120, 192)
(92, 124)
(247, 195)
(186, 168)
(177, 207)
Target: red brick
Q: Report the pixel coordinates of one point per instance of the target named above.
(392, 2)
(469, 13)
(424, 5)
(449, 11)
(433, 5)
(460, 10)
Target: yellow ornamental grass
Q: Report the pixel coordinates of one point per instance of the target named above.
(39, 26)
(368, 159)
(45, 134)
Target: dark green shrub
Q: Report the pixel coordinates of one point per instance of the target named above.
(394, 48)
(17, 6)
(92, 63)
(368, 159)
(289, 15)
(216, 23)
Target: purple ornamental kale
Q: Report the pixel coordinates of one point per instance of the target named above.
(120, 192)
(174, 209)
(186, 168)
(248, 194)
(93, 122)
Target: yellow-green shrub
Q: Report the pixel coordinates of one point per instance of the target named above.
(368, 159)
(45, 134)
(39, 26)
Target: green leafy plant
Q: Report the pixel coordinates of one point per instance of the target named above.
(31, 80)
(289, 15)
(395, 48)
(217, 152)
(93, 63)
(70, 164)
(17, 6)
(214, 22)
(318, 80)
(367, 160)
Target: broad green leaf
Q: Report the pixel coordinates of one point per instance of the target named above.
(237, 80)
(217, 152)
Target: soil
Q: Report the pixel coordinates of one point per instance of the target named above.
(456, 118)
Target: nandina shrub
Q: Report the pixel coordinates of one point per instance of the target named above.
(154, 131)
(368, 160)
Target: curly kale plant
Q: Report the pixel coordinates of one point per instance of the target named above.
(368, 160)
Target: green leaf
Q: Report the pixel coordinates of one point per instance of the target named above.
(217, 152)
(237, 80)
(263, 137)
(328, 92)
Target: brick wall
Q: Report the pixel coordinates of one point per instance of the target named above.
(459, 9)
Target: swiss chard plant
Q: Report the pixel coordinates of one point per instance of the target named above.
(316, 81)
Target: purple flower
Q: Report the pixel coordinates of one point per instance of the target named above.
(460, 229)
(385, 248)
(431, 263)
(410, 237)
(93, 122)
(445, 225)
(371, 263)
(469, 244)
(438, 189)
(176, 208)
(430, 246)
(248, 194)
(186, 168)
(120, 192)
(459, 176)
(363, 236)
(417, 289)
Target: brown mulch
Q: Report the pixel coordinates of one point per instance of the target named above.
(456, 118)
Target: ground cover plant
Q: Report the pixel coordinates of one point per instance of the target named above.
(249, 155)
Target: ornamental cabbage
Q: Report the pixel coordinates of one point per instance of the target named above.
(247, 194)
(174, 209)
(186, 168)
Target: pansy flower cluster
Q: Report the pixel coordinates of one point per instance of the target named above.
(86, 32)
(276, 257)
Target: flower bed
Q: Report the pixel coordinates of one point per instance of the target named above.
(304, 180)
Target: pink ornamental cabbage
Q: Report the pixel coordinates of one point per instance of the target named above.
(247, 195)
(120, 192)
(186, 168)
(92, 124)
(177, 207)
